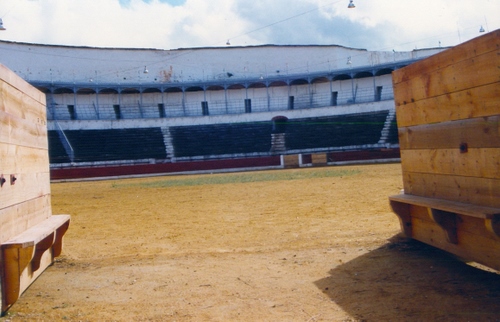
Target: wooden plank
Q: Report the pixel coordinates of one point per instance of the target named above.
(27, 186)
(475, 47)
(25, 209)
(22, 160)
(483, 163)
(28, 255)
(15, 130)
(19, 84)
(318, 158)
(471, 246)
(470, 224)
(36, 233)
(474, 226)
(473, 72)
(476, 132)
(291, 160)
(448, 206)
(473, 190)
(470, 103)
(21, 105)
(20, 217)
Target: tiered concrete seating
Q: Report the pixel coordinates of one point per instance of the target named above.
(110, 145)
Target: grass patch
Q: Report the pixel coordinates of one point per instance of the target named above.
(241, 178)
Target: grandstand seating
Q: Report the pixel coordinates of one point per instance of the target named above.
(335, 131)
(57, 153)
(307, 133)
(220, 140)
(109, 145)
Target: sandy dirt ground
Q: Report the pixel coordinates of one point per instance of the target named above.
(318, 244)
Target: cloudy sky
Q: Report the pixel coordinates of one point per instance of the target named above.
(168, 24)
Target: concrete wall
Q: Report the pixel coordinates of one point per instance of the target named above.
(65, 64)
(219, 119)
(220, 101)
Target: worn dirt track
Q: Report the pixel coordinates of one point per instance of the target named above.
(317, 244)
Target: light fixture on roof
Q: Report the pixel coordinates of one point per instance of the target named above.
(481, 29)
(145, 70)
(228, 43)
(1, 25)
(351, 5)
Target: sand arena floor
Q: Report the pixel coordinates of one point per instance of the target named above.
(318, 244)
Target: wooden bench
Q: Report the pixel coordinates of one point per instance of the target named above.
(443, 213)
(26, 253)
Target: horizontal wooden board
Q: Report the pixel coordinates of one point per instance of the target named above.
(291, 160)
(477, 191)
(27, 186)
(19, 84)
(476, 246)
(467, 210)
(481, 132)
(15, 159)
(318, 158)
(482, 163)
(35, 234)
(15, 130)
(475, 47)
(470, 103)
(21, 105)
(16, 219)
(473, 72)
(472, 225)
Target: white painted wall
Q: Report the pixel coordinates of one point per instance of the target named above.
(220, 119)
(230, 101)
(70, 65)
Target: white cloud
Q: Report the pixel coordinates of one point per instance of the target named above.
(425, 23)
(373, 24)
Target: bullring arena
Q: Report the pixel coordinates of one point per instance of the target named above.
(252, 196)
(318, 244)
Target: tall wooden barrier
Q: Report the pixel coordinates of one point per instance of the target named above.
(30, 237)
(448, 114)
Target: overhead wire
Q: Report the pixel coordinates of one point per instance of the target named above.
(188, 51)
(286, 19)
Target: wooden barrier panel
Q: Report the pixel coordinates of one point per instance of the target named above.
(30, 237)
(290, 161)
(459, 83)
(319, 159)
(448, 114)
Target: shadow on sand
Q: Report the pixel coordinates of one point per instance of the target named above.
(406, 280)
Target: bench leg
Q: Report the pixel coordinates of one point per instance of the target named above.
(14, 261)
(402, 210)
(493, 225)
(447, 221)
(41, 247)
(57, 247)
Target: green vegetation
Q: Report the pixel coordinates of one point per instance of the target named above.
(241, 178)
